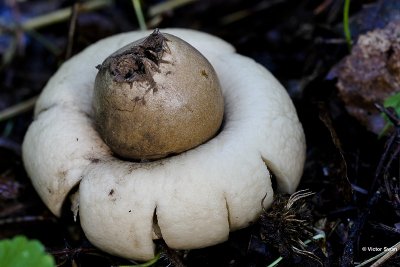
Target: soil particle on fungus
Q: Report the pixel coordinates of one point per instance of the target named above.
(62, 174)
(94, 160)
(112, 195)
(204, 74)
(111, 192)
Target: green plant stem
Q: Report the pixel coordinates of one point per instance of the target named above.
(146, 264)
(346, 26)
(275, 262)
(139, 14)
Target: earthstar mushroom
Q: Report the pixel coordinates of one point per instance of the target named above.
(192, 199)
(155, 97)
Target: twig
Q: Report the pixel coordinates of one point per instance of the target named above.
(386, 228)
(388, 147)
(44, 41)
(383, 256)
(322, 7)
(392, 116)
(354, 232)
(71, 30)
(389, 253)
(24, 219)
(61, 15)
(17, 109)
(167, 6)
(344, 186)
(370, 259)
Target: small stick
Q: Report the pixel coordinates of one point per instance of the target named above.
(23, 219)
(17, 109)
(167, 6)
(61, 15)
(71, 31)
(390, 252)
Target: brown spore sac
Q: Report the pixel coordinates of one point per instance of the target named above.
(155, 98)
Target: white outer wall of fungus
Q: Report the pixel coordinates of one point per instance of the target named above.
(198, 196)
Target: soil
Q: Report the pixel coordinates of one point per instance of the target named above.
(353, 173)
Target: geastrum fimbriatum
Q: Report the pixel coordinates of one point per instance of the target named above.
(170, 144)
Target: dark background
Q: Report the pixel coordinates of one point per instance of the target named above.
(300, 42)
